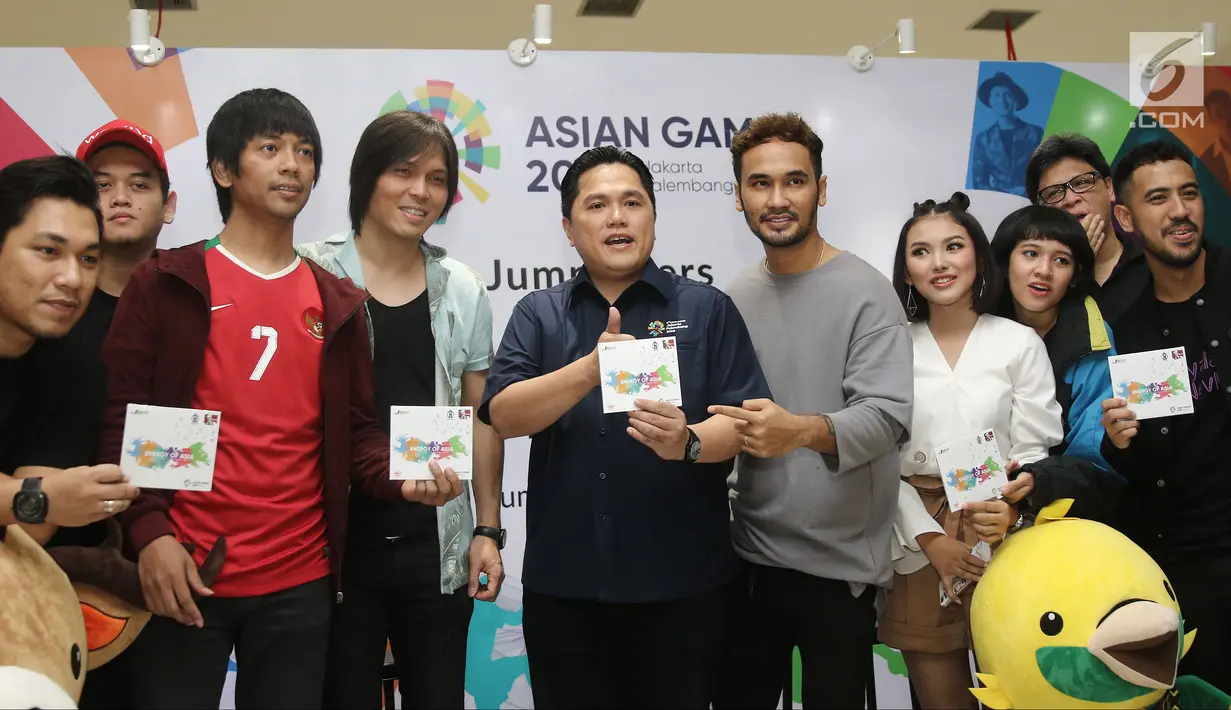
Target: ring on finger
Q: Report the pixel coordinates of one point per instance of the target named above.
(109, 507)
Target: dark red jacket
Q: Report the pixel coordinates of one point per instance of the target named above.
(154, 352)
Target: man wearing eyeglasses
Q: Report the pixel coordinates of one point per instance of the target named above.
(1068, 171)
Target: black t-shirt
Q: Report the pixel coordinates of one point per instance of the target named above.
(404, 362)
(88, 336)
(51, 406)
(1198, 479)
(96, 321)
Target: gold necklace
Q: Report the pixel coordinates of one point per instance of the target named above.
(819, 259)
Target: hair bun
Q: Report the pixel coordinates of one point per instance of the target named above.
(925, 207)
(959, 201)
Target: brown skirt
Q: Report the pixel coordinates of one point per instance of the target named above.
(913, 619)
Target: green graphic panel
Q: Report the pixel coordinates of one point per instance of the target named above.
(1085, 107)
(897, 666)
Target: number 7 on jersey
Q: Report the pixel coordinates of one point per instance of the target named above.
(271, 347)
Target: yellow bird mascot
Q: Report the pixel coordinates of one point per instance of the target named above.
(1072, 614)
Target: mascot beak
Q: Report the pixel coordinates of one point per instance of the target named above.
(1140, 642)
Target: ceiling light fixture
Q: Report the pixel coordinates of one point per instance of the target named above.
(542, 24)
(861, 58)
(1209, 38)
(139, 30)
(147, 50)
(522, 51)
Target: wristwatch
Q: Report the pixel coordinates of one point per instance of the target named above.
(692, 450)
(30, 503)
(1021, 520)
(497, 534)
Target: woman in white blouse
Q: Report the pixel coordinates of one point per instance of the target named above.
(973, 371)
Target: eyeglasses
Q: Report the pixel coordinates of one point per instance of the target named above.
(1053, 194)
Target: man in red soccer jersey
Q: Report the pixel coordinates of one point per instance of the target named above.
(241, 324)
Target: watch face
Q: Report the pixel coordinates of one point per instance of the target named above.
(694, 450)
(30, 507)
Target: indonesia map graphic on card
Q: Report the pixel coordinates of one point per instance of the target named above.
(972, 469)
(170, 448)
(420, 435)
(1155, 383)
(639, 369)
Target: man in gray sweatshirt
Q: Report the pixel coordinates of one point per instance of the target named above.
(813, 495)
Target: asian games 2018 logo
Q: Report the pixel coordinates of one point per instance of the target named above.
(467, 120)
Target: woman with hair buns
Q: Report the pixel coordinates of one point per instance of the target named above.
(973, 371)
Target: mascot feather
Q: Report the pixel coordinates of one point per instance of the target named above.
(1073, 614)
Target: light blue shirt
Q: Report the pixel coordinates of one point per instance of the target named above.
(461, 316)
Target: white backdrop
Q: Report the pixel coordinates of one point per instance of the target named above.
(898, 134)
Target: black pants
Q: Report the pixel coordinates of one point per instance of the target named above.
(427, 630)
(773, 610)
(586, 653)
(1204, 593)
(279, 639)
(109, 687)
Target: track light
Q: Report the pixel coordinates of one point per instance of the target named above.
(542, 24)
(861, 58)
(1209, 38)
(139, 30)
(522, 51)
(147, 50)
(906, 36)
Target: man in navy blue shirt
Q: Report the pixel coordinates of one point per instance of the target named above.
(628, 540)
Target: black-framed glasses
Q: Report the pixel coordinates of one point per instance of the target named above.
(1053, 194)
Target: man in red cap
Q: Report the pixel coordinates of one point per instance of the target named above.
(135, 195)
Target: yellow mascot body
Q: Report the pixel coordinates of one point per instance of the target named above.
(1073, 614)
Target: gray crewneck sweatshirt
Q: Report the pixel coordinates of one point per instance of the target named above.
(832, 340)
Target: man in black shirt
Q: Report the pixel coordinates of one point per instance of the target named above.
(1177, 504)
(1069, 171)
(413, 571)
(130, 168)
(628, 547)
(51, 393)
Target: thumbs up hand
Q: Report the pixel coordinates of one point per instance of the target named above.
(611, 334)
(613, 328)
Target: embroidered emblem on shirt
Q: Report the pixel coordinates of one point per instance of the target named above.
(314, 323)
(656, 328)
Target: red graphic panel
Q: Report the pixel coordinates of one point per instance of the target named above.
(17, 140)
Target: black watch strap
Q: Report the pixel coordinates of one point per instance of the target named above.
(497, 534)
(30, 503)
(692, 449)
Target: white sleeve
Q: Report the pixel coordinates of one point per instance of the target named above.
(1035, 419)
(911, 519)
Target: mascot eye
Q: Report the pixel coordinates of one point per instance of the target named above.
(1051, 623)
(1170, 592)
(75, 660)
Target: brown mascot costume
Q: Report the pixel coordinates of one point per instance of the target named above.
(66, 611)
(43, 651)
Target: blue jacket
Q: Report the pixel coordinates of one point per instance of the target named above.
(1079, 344)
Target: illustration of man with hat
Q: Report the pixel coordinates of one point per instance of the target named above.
(998, 155)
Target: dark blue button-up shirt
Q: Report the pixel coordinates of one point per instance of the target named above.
(606, 518)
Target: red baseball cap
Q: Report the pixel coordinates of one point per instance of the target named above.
(128, 133)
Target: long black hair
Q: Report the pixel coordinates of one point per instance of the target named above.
(1041, 223)
(988, 282)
